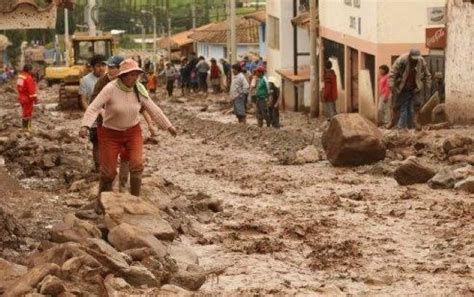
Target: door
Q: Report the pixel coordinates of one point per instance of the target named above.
(354, 76)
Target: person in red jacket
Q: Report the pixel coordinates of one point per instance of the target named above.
(26, 87)
(329, 91)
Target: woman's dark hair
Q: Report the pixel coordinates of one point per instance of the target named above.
(328, 65)
(385, 69)
(237, 67)
(27, 68)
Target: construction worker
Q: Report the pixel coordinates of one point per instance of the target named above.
(26, 87)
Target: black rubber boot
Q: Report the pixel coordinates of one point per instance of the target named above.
(135, 183)
(124, 172)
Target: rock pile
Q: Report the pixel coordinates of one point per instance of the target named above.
(44, 154)
(133, 251)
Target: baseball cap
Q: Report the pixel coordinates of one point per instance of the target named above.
(415, 53)
(115, 61)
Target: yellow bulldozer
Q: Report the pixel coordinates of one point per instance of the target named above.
(83, 48)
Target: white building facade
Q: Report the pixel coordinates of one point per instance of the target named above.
(460, 62)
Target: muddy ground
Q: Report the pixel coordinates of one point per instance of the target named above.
(285, 229)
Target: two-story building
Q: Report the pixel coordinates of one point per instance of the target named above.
(287, 51)
(358, 36)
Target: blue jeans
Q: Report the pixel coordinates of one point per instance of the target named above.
(407, 109)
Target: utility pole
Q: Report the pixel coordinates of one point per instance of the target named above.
(233, 41)
(314, 56)
(169, 38)
(193, 9)
(91, 18)
(66, 36)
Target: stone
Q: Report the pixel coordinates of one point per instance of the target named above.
(9, 273)
(424, 116)
(125, 237)
(106, 254)
(458, 151)
(191, 279)
(445, 179)
(455, 142)
(462, 159)
(139, 275)
(114, 285)
(183, 254)
(464, 172)
(438, 115)
(60, 253)
(352, 140)
(139, 254)
(51, 285)
(31, 279)
(309, 154)
(466, 185)
(172, 290)
(412, 172)
(74, 229)
(125, 208)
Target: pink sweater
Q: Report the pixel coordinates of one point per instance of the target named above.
(384, 88)
(122, 109)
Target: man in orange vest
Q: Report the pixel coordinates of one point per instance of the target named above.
(26, 87)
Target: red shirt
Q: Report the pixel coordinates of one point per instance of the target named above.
(384, 88)
(26, 87)
(330, 86)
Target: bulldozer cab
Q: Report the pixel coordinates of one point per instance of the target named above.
(85, 47)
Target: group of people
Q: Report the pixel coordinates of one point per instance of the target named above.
(114, 101)
(255, 89)
(400, 90)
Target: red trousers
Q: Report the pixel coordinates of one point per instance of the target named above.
(27, 108)
(112, 143)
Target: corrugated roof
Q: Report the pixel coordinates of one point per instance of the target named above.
(11, 5)
(259, 16)
(247, 32)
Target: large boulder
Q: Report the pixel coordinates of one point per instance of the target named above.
(352, 140)
(412, 172)
(125, 208)
(9, 272)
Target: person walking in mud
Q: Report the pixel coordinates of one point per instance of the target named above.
(261, 93)
(26, 87)
(274, 102)
(113, 68)
(408, 77)
(329, 91)
(239, 89)
(120, 102)
(170, 75)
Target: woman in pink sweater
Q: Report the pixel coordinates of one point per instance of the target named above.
(120, 103)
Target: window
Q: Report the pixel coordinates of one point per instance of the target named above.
(352, 22)
(273, 38)
(348, 2)
(357, 3)
(304, 5)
